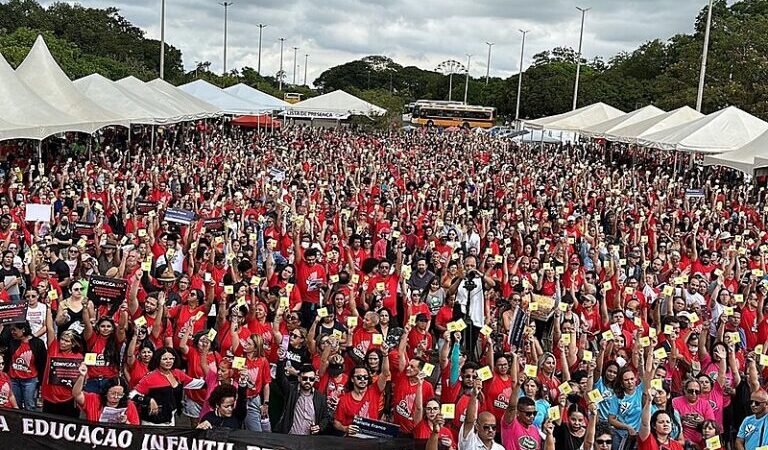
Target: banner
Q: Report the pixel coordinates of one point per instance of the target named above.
(37, 431)
(182, 216)
(13, 313)
(106, 291)
(371, 429)
(84, 229)
(64, 371)
(36, 212)
(145, 206)
(307, 114)
(214, 224)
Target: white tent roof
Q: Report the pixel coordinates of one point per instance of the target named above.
(40, 72)
(721, 131)
(220, 98)
(199, 108)
(24, 115)
(334, 105)
(253, 95)
(578, 119)
(139, 110)
(603, 128)
(630, 133)
(145, 92)
(744, 158)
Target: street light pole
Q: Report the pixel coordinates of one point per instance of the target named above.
(578, 57)
(162, 39)
(306, 61)
(295, 50)
(261, 29)
(702, 74)
(520, 77)
(280, 73)
(226, 6)
(466, 82)
(488, 66)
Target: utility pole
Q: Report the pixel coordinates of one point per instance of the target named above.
(578, 57)
(702, 74)
(162, 39)
(226, 6)
(306, 60)
(466, 82)
(280, 73)
(488, 66)
(261, 29)
(295, 50)
(520, 77)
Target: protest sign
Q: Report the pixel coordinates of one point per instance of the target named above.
(106, 291)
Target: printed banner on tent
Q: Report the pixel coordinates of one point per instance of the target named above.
(38, 431)
(106, 291)
(308, 114)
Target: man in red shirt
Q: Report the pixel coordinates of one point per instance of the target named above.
(364, 400)
(310, 279)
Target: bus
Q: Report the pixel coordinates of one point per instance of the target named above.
(292, 97)
(450, 114)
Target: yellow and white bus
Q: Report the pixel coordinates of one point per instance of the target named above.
(450, 114)
(292, 97)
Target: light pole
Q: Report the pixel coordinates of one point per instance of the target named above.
(466, 82)
(306, 61)
(449, 67)
(162, 39)
(702, 74)
(520, 77)
(488, 67)
(295, 50)
(261, 29)
(280, 73)
(226, 6)
(578, 57)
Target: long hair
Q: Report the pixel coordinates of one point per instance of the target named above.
(111, 350)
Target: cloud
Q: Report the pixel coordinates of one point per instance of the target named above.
(420, 33)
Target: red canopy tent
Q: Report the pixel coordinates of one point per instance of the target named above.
(262, 120)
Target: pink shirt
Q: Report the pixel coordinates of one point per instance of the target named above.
(716, 399)
(687, 411)
(515, 436)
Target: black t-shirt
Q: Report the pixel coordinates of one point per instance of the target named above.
(62, 270)
(565, 440)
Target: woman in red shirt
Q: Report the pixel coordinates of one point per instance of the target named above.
(259, 378)
(27, 358)
(7, 399)
(113, 397)
(137, 362)
(57, 398)
(106, 344)
(424, 427)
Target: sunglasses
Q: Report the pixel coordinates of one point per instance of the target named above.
(361, 377)
(755, 403)
(77, 289)
(309, 379)
(604, 441)
(489, 427)
(297, 336)
(693, 391)
(528, 413)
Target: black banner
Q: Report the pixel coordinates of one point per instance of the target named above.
(13, 313)
(370, 428)
(84, 229)
(214, 224)
(182, 216)
(64, 371)
(145, 206)
(37, 431)
(106, 291)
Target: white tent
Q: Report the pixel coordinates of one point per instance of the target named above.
(142, 90)
(24, 115)
(255, 96)
(220, 98)
(745, 158)
(536, 136)
(139, 110)
(629, 134)
(199, 108)
(603, 128)
(578, 119)
(333, 105)
(721, 131)
(40, 72)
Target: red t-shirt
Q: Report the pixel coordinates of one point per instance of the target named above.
(93, 407)
(23, 363)
(308, 280)
(259, 373)
(497, 393)
(403, 399)
(389, 299)
(52, 392)
(652, 444)
(367, 407)
(103, 368)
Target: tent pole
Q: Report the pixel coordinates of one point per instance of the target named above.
(541, 147)
(40, 151)
(130, 129)
(152, 139)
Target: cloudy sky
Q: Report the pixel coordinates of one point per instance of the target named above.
(421, 33)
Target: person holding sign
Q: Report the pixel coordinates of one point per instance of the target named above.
(433, 412)
(478, 431)
(111, 405)
(57, 391)
(626, 404)
(655, 430)
(105, 344)
(27, 357)
(362, 400)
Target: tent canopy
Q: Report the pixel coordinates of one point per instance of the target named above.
(744, 158)
(167, 103)
(255, 96)
(40, 72)
(228, 103)
(603, 128)
(199, 109)
(578, 119)
(721, 131)
(333, 105)
(630, 133)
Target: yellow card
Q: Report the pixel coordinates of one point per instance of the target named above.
(629, 290)
(212, 334)
(546, 266)
(563, 306)
(652, 332)
(595, 396)
(322, 312)
(607, 286)
(380, 286)
(486, 330)
(645, 341)
(82, 243)
(289, 287)
(253, 237)
(713, 443)
(644, 239)
(533, 306)
(608, 335)
(738, 298)
(146, 266)
(142, 232)
(412, 321)
(448, 410)
(351, 321)
(355, 278)
(378, 339)
(484, 373)
(622, 262)
(238, 363)
(718, 272)
(337, 334)
(668, 329)
(428, 369)
(728, 310)
(657, 384)
(140, 322)
(693, 317)
(660, 353)
(571, 240)
(684, 277)
(241, 301)
(587, 355)
(90, 359)
(531, 371)
(199, 315)
(733, 338)
(53, 294)
(334, 278)
(560, 270)
(284, 302)
(229, 290)
(255, 281)
(395, 234)
(451, 326)
(757, 272)
(498, 259)
(565, 388)
(554, 413)
(763, 360)
(565, 338)
(759, 349)
(460, 325)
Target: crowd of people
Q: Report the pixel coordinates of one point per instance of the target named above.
(475, 292)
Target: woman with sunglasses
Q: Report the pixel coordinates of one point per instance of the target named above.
(112, 395)
(655, 429)
(693, 411)
(69, 316)
(296, 354)
(424, 429)
(57, 396)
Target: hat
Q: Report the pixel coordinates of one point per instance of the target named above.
(724, 236)
(421, 317)
(571, 218)
(575, 259)
(168, 275)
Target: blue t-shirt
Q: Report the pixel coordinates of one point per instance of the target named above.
(604, 407)
(752, 430)
(629, 409)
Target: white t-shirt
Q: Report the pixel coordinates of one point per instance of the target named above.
(473, 442)
(36, 317)
(476, 303)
